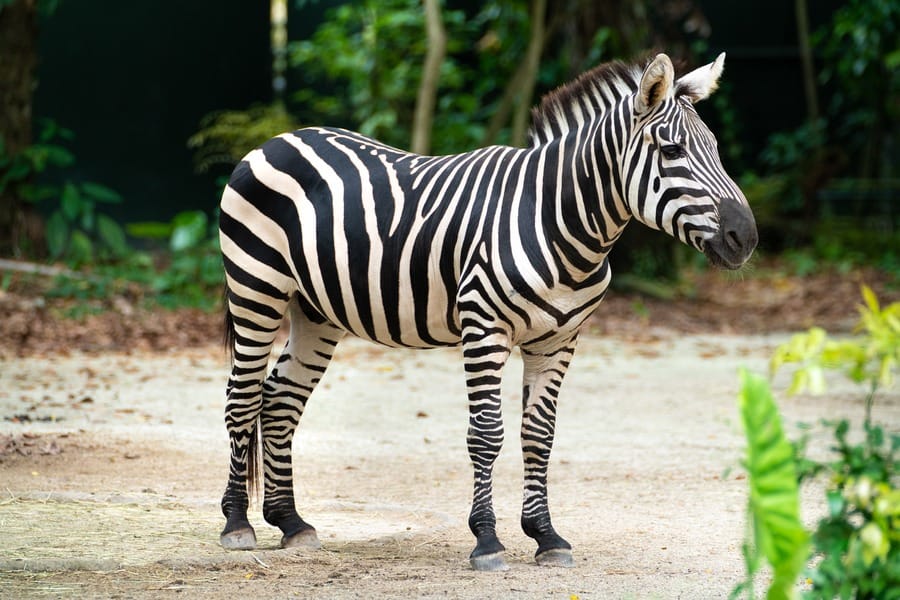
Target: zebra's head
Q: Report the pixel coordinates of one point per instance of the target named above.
(674, 180)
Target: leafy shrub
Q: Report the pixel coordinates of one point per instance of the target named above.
(858, 541)
(856, 546)
(362, 66)
(226, 136)
(188, 273)
(77, 231)
(193, 275)
(870, 360)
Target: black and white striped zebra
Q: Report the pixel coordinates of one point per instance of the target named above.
(491, 249)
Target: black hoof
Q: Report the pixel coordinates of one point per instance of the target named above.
(239, 539)
(489, 562)
(555, 557)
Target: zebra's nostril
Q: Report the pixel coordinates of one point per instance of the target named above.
(733, 241)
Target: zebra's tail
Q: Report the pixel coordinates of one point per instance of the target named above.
(228, 335)
(254, 460)
(254, 448)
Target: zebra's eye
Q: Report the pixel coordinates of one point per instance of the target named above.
(673, 151)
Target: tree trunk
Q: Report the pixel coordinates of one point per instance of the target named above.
(18, 57)
(501, 116)
(806, 61)
(431, 71)
(532, 64)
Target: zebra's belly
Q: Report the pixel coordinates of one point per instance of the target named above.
(384, 307)
(422, 310)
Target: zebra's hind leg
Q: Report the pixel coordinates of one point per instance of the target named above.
(484, 354)
(544, 370)
(288, 387)
(251, 328)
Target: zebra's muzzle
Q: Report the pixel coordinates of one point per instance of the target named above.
(737, 236)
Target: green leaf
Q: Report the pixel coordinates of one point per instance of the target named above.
(88, 216)
(870, 299)
(18, 171)
(57, 231)
(150, 230)
(112, 235)
(81, 250)
(774, 494)
(874, 543)
(57, 156)
(100, 193)
(189, 230)
(70, 202)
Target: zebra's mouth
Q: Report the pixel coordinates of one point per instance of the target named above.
(718, 260)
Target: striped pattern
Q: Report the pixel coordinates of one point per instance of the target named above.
(491, 249)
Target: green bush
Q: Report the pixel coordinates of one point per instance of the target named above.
(76, 230)
(194, 274)
(187, 273)
(856, 546)
(226, 136)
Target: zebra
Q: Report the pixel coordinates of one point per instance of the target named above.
(492, 249)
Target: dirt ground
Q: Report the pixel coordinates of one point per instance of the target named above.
(113, 465)
(113, 456)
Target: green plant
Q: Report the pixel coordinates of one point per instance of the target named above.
(362, 67)
(193, 275)
(774, 503)
(17, 171)
(861, 48)
(858, 541)
(186, 272)
(76, 230)
(226, 136)
(856, 546)
(869, 360)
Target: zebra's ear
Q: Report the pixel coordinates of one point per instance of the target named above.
(656, 84)
(700, 83)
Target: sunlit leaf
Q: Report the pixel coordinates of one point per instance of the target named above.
(189, 230)
(774, 495)
(150, 230)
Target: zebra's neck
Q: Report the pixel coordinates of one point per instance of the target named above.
(581, 199)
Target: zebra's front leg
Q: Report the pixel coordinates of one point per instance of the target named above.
(287, 389)
(543, 375)
(484, 359)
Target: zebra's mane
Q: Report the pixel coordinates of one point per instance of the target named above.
(570, 105)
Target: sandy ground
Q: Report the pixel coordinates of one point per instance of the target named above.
(113, 466)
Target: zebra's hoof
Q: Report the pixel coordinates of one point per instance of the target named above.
(305, 538)
(239, 539)
(555, 557)
(489, 562)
